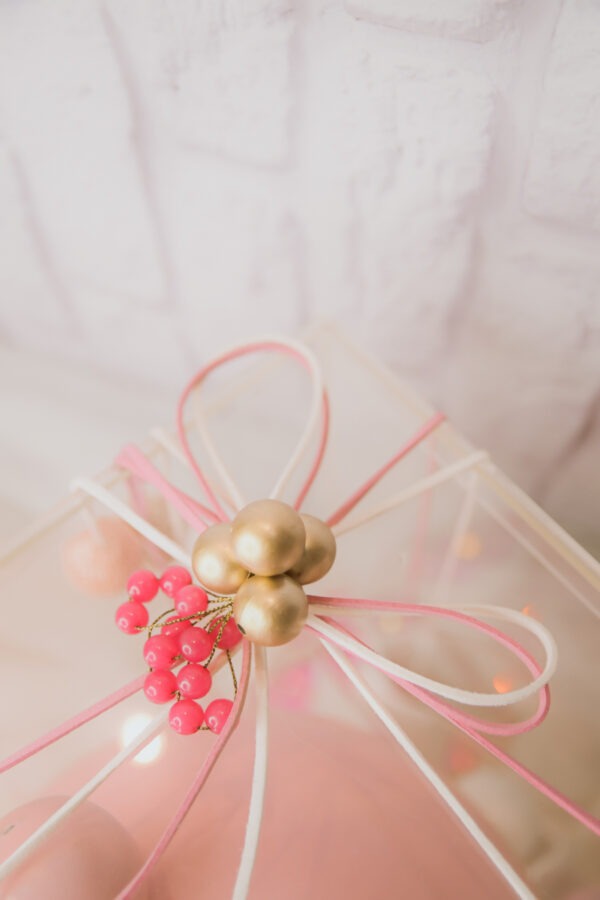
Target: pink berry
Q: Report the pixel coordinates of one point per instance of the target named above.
(160, 686)
(217, 714)
(174, 626)
(186, 716)
(174, 578)
(195, 643)
(190, 600)
(131, 616)
(194, 681)
(142, 586)
(231, 635)
(161, 651)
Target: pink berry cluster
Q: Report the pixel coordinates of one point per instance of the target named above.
(181, 642)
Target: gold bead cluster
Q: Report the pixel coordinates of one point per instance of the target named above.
(262, 559)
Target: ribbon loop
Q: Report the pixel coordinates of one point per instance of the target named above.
(337, 639)
(318, 415)
(439, 689)
(433, 693)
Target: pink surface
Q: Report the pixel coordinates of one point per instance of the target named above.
(347, 816)
(88, 858)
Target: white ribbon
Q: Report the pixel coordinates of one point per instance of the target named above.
(229, 490)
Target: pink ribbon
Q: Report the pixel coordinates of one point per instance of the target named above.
(473, 726)
(201, 515)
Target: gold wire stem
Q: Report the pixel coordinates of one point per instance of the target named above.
(150, 628)
(232, 670)
(221, 611)
(192, 618)
(209, 628)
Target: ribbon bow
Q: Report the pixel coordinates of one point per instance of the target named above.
(219, 505)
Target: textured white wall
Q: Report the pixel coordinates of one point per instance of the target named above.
(176, 174)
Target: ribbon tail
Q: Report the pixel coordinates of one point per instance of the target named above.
(51, 824)
(259, 776)
(437, 783)
(196, 786)
(472, 728)
(195, 514)
(148, 733)
(72, 724)
(137, 522)
(364, 489)
(557, 797)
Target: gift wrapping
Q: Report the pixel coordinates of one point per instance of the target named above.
(347, 813)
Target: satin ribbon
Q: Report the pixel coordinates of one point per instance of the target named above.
(340, 642)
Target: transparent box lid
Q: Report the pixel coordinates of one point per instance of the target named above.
(472, 537)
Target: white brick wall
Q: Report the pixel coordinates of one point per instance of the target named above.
(473, 20)
(563, 178)
(175, 174)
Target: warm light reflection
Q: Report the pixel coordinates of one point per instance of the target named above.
(528, 610)
(502, 684)
(132, 727)
(462, 759)
(469, 546)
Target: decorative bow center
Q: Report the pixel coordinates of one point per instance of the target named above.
(262, 559)
(255, 566)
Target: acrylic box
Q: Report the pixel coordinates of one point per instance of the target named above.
(347, 814)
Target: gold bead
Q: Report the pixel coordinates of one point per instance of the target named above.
(214, 562)
(268, 537)
(319, 551)
(270, 610)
